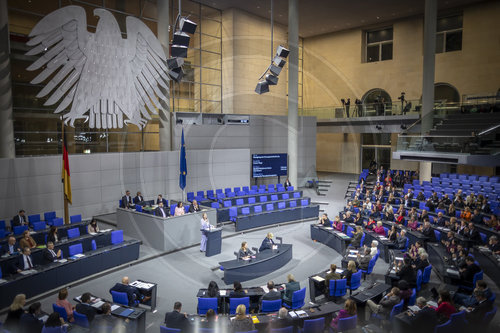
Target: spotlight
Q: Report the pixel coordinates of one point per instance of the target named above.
(271, 79)
(176, 74)
(275, 69)
(262, 87)
(379, 127)
(181, 38)
(278, 61)
(187, 25)
(174, 62)
(179, 51)
(282, 52)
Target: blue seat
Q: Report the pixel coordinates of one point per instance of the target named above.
(2, 224)
(227, 190)
(274, 197)
(234, 302)
(164, 329)
(292, 203)
(396, 309)
(347, 324)
(93, 245)
(210, 194)
(34, 218)
(49, 216)
(40, 225)
(426, 276)
(75, 218)
(233, 213)
(57, 222)
(484, 238)
(285, 196)
(362, 240)
(313, 325)
(413, 297)
(215, 205)
(419, 280)
(296, 195)
(298, 298)
(488, 317)
(371, 264)
(190, 196)
(271, 190)
(304, 202)
(62, 311)
(119, 297)
(138, 208)
(245, 210)
(269, 207)
(355, 281)
(245, 189)
(204, 304)
(281, 205)
(230, 194)
(270, 306)
(239, 202)
(349, 231)
(117, 237)
(251, 200)
(290, 188)
(80, 319)
(263, 198)
(200, 194)
(288, 329)
(227, 203)
(73, 233)
(3, 233)
(75, 249)
(338, 288)
(437, 234)
(257, 209)
(18, 230)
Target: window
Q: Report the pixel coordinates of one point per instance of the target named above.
(378, 45)
(449, 34)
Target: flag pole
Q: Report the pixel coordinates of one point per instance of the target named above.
(66, 209)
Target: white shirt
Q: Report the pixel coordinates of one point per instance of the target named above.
(27, 262)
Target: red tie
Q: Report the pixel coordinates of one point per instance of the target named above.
(29, 262)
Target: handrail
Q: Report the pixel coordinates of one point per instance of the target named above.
(494, 127)
(412, 125)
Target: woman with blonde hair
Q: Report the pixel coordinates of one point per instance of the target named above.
(242, 322)
(349, 310)
(356, 237)
(15, 311)
(351, 269)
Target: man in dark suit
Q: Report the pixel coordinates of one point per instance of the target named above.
(85, 308)
(19, 219)
(24, 261)
(176, 319)
(271, 295)
(406, 272)
(194, 207)
(267, 243)
(160, 199)
(473, 234)
(440, 220)
(476, 314)
(161, 211)
(427, 231)
(401, 240)
(11, 247)
(494, 245)
(291, 287)
(138, 198)
(127, 200)
(287, 184)
(29, 322)
(50, 254)
(133, 293)
(424, 320)
(467, 273)
(106, 322)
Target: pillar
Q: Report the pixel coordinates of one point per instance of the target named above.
(293, 89)
(7, 148)
(430, 21)
(164, 113)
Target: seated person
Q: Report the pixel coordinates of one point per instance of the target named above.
(406, 272)
(362, 261)
(106, 322)
(161, 199)
(476, 314)
(242, 322)
(133, 294)
(55, 323)
(412, 223)
(373, 248)
(349, 310)
(469, 300)
(25, 261)
(290, 287)
(194, 207)
(384, 307)
(283, 320)
(445, 305)
(11, 322)
(404, 291)
(356, 237)
(379, 229)
(494, 245)
(467, 273)
(50, 254)
(401, 240)
(85, 308)
(53, 235)
(393, 233)
(324, 221)
(423, 262)
(138, 198)
(237, 291)
(11, 247)
(162, 211)
(267, 243)
(210, 320)
(425, 319)
(244, 252)
(127, 200)
(19, 219)
(440, 220)
(348, 217)
(337, 224)
(271, 295)
(332, 275)
(93, 228)
(27, 241)
(370, 224)
(64, 303)
(179, 210)
(473, 234)
(176, 319)
(29, 321)
(427, 231)
(351, 269)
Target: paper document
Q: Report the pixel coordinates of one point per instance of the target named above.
(62, 260)
(399, 258)
(114, 307)
(2, 281)
(353, 251)
(301, 313)
(98, 304)
(342, 234)
(142, 285)
(328, 228)
(222, 292)
(105, 230)
(414, 308)
(292, 314)
(318, 278)
(44, 318)
(265, 288)
(393, 271)
(27, 272)
(79, 255)
(339, 270)
(432, 303)
(383, 238)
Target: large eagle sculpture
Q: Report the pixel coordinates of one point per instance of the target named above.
(107, 79)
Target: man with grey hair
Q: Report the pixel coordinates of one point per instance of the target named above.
(283, 320)
(493, 244)
(373, 248)
(50, 254)
(425, 319)
(476, 314)
(401, 240)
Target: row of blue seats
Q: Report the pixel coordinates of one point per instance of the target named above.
(40, 225)
(269, 207)
(228, 192)
(253, 200)
(493, 179)
(490, 195)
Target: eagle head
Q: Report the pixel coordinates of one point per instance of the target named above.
(107, 21)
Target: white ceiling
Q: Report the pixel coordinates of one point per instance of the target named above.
(318, 17)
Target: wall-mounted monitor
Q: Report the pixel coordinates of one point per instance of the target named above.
(269, 165)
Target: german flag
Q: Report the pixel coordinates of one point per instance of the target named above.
(65, 171)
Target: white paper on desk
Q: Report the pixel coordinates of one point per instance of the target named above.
(301, 313)
(383, 238)
(98, 304)
(44, 318)
(351, 256)
(414, 308)
(105, 230)
(246, 259)
(79, 255)
(222, 292)
(114, 307)
(399, 258)
(432, 303)
(318, 278)
(328, 228)
(292, 314)
(62, 260)
(354, 251)
(339, 270)
(27, 272)
(342, 234)
(2, 281)
(393, 271)
(265, 288)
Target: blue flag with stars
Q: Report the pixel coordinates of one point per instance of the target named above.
(183, 164)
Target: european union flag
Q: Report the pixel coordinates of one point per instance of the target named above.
(183, 165)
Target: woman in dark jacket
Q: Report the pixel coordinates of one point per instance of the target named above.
(14, 315)
(351, 269)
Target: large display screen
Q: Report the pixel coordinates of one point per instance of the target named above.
(269, 165)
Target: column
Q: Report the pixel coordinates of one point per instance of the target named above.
(430, 21)
(164, 113)
(7, 148)
(293, 89)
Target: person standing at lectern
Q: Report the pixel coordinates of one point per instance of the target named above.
(287, 184)
(267, 243)
(205, 227)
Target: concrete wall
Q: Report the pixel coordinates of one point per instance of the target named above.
(333, 67)
(100, 180)
(338, 152)
(264, 134)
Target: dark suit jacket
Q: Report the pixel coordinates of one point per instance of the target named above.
(5, 248)
(429, 233)
(356, 241)
(30, 324)
(474, 236)
(468, 274)
(18, 220)
(237, 294)
(272, 295)
(290, 288)
(51, 238)
(401, 242)
(20, 262)
(363, 262)
(266, 244)
(475, 317)
(48, 257)
(132, 292)
(242, 253)
(178, 320)
(138, 199)
(86, 310)
(424, 320)
(408, 274)
(162, 200)
(158, 211)
(193, 209)
(126, 202)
